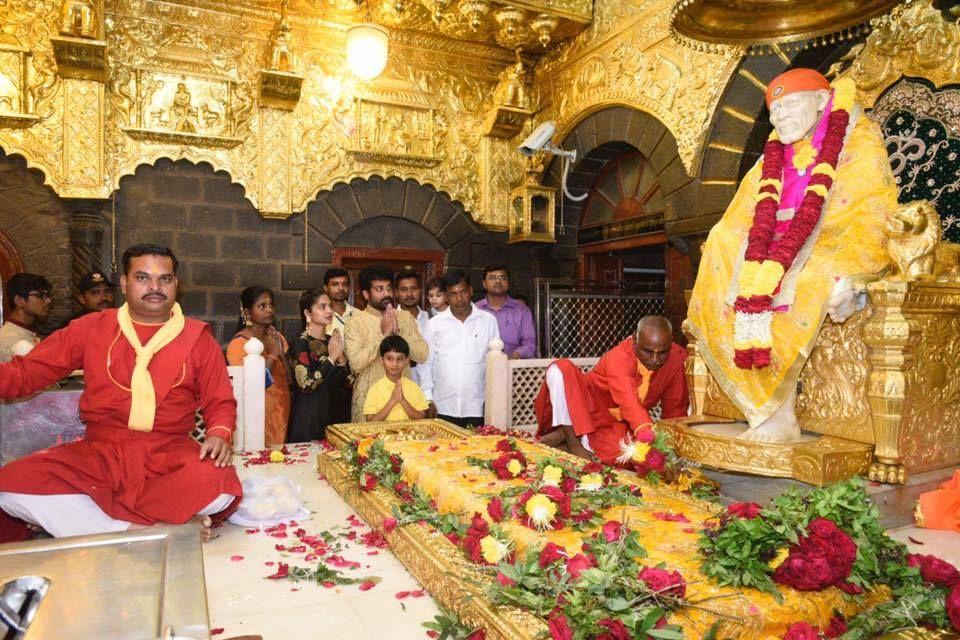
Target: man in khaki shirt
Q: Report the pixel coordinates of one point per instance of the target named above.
(366, 329)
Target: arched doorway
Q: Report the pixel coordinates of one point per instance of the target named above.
(10, 263)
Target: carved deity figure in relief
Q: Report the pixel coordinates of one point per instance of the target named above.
(512, 91)
(281, 54)
(9, 95)
(78, 19)
(183, 115)
(807, 218)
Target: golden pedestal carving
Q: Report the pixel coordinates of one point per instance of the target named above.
(882, 390)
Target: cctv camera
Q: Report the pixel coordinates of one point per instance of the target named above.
(539, 139)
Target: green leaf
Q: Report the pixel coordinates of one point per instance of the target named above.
(666, 633)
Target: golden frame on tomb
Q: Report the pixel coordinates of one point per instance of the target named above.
(441, 567)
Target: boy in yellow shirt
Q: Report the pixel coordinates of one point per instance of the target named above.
(394, 397)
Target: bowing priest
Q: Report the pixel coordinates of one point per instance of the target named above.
(597, 415)
(147, 369)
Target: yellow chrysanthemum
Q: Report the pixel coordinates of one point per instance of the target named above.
(541, 510)
(551, 475)
(492, 549)
(844, 94)
(514, 467)
(767, 278)
(590, 482)
(363, 447)
(803, 155)
(779, 558)
(640, 451)
(277, 456)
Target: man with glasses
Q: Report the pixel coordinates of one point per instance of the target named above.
(513, 317)
(29, 300)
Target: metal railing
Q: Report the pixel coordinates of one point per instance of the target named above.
(578, 319)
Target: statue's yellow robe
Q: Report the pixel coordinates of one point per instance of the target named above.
(848, 241)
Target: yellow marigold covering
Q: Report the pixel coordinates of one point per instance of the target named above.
(460, 488)
(850, 242)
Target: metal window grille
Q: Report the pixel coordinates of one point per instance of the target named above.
(581, 320)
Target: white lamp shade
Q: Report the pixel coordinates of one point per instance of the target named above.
(367, 50)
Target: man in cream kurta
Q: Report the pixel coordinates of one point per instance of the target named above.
(366, 329)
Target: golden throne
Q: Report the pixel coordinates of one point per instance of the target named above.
(882, 390)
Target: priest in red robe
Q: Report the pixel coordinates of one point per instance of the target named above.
(147, 370)
(598, 414)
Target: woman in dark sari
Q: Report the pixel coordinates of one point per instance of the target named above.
(321, 375)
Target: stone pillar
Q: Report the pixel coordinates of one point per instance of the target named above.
(86, 239)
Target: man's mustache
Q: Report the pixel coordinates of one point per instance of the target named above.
(387, 300)
(154, 294)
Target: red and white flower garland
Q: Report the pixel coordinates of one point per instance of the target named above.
(763, 267)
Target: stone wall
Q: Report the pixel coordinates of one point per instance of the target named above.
(37, 222)
(225, 245)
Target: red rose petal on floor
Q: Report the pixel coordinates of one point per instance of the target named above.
(400, 595)
(419, 593)
(294, 589)
(366, 586)
(253, 530)
(915, 541)
(269, 563)
(689, 530)
(329, 585)
(373, 553)
(217, 631)
(433, 634)
(236, 558)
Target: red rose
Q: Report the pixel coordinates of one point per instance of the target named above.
(953, 606)
(849, 587)
(368, 482)
(504, 580)
(822, 528)
(495, 510)
(568, 484)
(655, 460)
(578, 564)
(745, 510)
(304, 358)
(504, 445)
(836, 628)
(801, 631)
(584, 515)
(613, 531)
(499, 465)
(550, 553)
(554, 493)
(471, 546)
(933, 569)
(805, 572)
(452, 537)
(645, 434)
(478, 524)
(592, 467)
(615, 630)
(389, 524)
(559, 628)
(664, 582)
(479, 634)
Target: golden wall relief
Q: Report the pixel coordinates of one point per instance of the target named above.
(628, 57)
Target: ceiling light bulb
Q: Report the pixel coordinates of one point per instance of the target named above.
(367, 50)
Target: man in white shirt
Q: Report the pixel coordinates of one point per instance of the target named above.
(455, 372)
(409, 295)
(29, 297)
(336, 284)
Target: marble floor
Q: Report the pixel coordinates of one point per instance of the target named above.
(243, 602)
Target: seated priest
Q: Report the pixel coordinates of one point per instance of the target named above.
(147, 370)
(598, 415)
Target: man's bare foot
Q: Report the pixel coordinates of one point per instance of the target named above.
(581, 451)
(206, 527)
(782, 432)
(555, 438)
(782, 426)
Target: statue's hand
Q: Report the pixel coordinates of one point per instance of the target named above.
(842, 303)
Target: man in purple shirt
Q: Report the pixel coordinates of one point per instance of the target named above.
(513, 317)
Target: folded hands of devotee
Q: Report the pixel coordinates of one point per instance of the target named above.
(218, 449)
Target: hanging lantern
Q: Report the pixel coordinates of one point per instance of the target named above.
(367, 50)
(532, 212)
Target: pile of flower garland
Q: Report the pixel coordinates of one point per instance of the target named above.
(767, 259)
(599, 593)
(831, 537)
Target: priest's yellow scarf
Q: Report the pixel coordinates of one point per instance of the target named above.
(143, 400)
